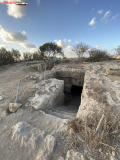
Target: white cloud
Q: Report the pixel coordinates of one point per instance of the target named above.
(27, 45)
(69, 40)
(70, 54)
(16, 11)
(97, 46)
(65, 40)
(60, 43)
(100, 11)
(69, 47)
(5, 46)
(107, 14)
(114, 17)
(77, 41)
(32, 50)
(8, 36)
(92, 22)
(16, 37)
(38, 2)
(24, 33)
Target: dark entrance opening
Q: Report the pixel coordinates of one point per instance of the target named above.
(75, 97)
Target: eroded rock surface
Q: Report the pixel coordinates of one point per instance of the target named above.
(13, 107)
(49, 93)
(34, 139)
(72, 155)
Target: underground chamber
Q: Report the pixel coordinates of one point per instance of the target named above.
(73, 99)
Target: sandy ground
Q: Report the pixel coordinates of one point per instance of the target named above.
(51, 125)
(12, 150)
(9, 80)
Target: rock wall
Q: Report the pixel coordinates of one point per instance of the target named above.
(70, 77)
(40, 66)
(49, 93)
(100, 90)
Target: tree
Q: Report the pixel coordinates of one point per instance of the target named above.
(97, 55)
(118, 50)
(50, 50)
(80, 49)
(25, 56)
(5, 56)
(16, 54)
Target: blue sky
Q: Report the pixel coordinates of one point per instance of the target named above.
(65, 22)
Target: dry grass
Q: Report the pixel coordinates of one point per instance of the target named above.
(86, 129)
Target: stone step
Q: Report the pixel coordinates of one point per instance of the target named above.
(61, 113)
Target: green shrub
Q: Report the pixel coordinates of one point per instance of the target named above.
(98, 55)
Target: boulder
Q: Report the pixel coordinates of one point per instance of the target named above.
(27, 135)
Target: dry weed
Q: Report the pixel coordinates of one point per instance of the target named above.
(106, 134)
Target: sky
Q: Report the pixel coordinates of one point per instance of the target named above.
(65, 22)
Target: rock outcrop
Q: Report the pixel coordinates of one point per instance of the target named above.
(49, 93)
(34, 139)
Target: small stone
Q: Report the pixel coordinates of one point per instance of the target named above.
(100, 150)
(113, 153)
(13, 107)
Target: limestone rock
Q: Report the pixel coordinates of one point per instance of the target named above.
(49, 94)
(13, 107)
(27, 135)
(72, 155)
(1, 98)
(49, 143)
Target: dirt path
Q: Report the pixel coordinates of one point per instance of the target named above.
(9, 80)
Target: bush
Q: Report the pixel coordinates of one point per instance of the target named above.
(98, 55)
(5, 57)
(85, 129)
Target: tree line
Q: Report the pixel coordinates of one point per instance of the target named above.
(50, 51)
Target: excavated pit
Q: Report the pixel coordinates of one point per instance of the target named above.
(73, 86)
(72, 99)
(76, 96)
(73, 81)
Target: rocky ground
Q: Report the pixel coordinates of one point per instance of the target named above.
(30, 134)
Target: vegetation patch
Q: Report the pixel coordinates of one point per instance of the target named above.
(85, 130)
